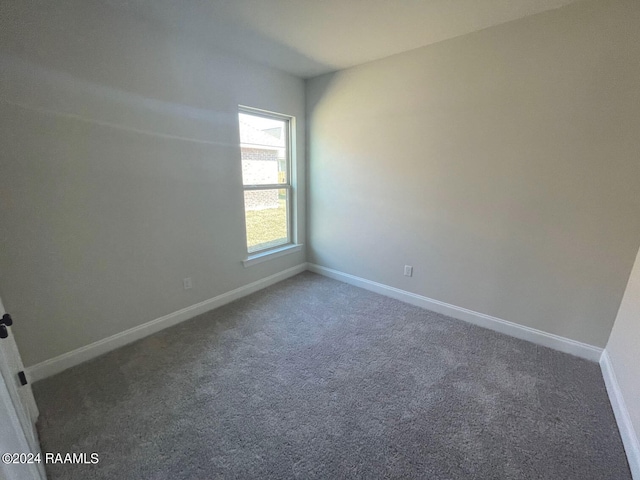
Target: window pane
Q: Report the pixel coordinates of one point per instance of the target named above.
(263, 146)
(267, 218)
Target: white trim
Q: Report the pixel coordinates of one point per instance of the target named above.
(261, 112)
(75, 357)
(539, 337)
(12, 430)
(267, 186)
(628, 434)
(270, 254)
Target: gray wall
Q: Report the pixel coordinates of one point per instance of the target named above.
(624, 346)
(503, 165)
(120, 172)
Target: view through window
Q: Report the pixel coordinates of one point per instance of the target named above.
(264, 147)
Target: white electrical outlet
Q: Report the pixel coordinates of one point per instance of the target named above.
(408, 271)
(187, 283)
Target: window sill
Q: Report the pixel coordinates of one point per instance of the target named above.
(270, 254)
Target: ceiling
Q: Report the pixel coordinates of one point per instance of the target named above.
(311, 37)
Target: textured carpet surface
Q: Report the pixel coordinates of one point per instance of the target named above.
(313, 378)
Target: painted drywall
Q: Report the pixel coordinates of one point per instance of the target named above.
(503, 165)
(120, 171)
(623, 347)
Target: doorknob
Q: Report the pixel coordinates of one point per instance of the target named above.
(4, 333)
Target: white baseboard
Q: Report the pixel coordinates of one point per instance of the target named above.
(75, 357)
(82, 354)
(629, 436)
(539, 337)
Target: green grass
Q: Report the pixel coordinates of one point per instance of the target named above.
(267, 228)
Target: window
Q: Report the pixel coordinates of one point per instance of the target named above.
(265, 147)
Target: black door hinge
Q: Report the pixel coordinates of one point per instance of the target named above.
(4, 323)
(23, 378)
(6, 320)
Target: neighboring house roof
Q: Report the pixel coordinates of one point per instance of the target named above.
(275, 131)
(249, 135)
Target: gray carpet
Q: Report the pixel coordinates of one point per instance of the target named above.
(313, 378)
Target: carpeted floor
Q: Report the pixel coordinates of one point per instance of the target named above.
(313, 378)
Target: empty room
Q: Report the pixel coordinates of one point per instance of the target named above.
(319, 239)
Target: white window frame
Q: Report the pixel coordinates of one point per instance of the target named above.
(290, 246)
